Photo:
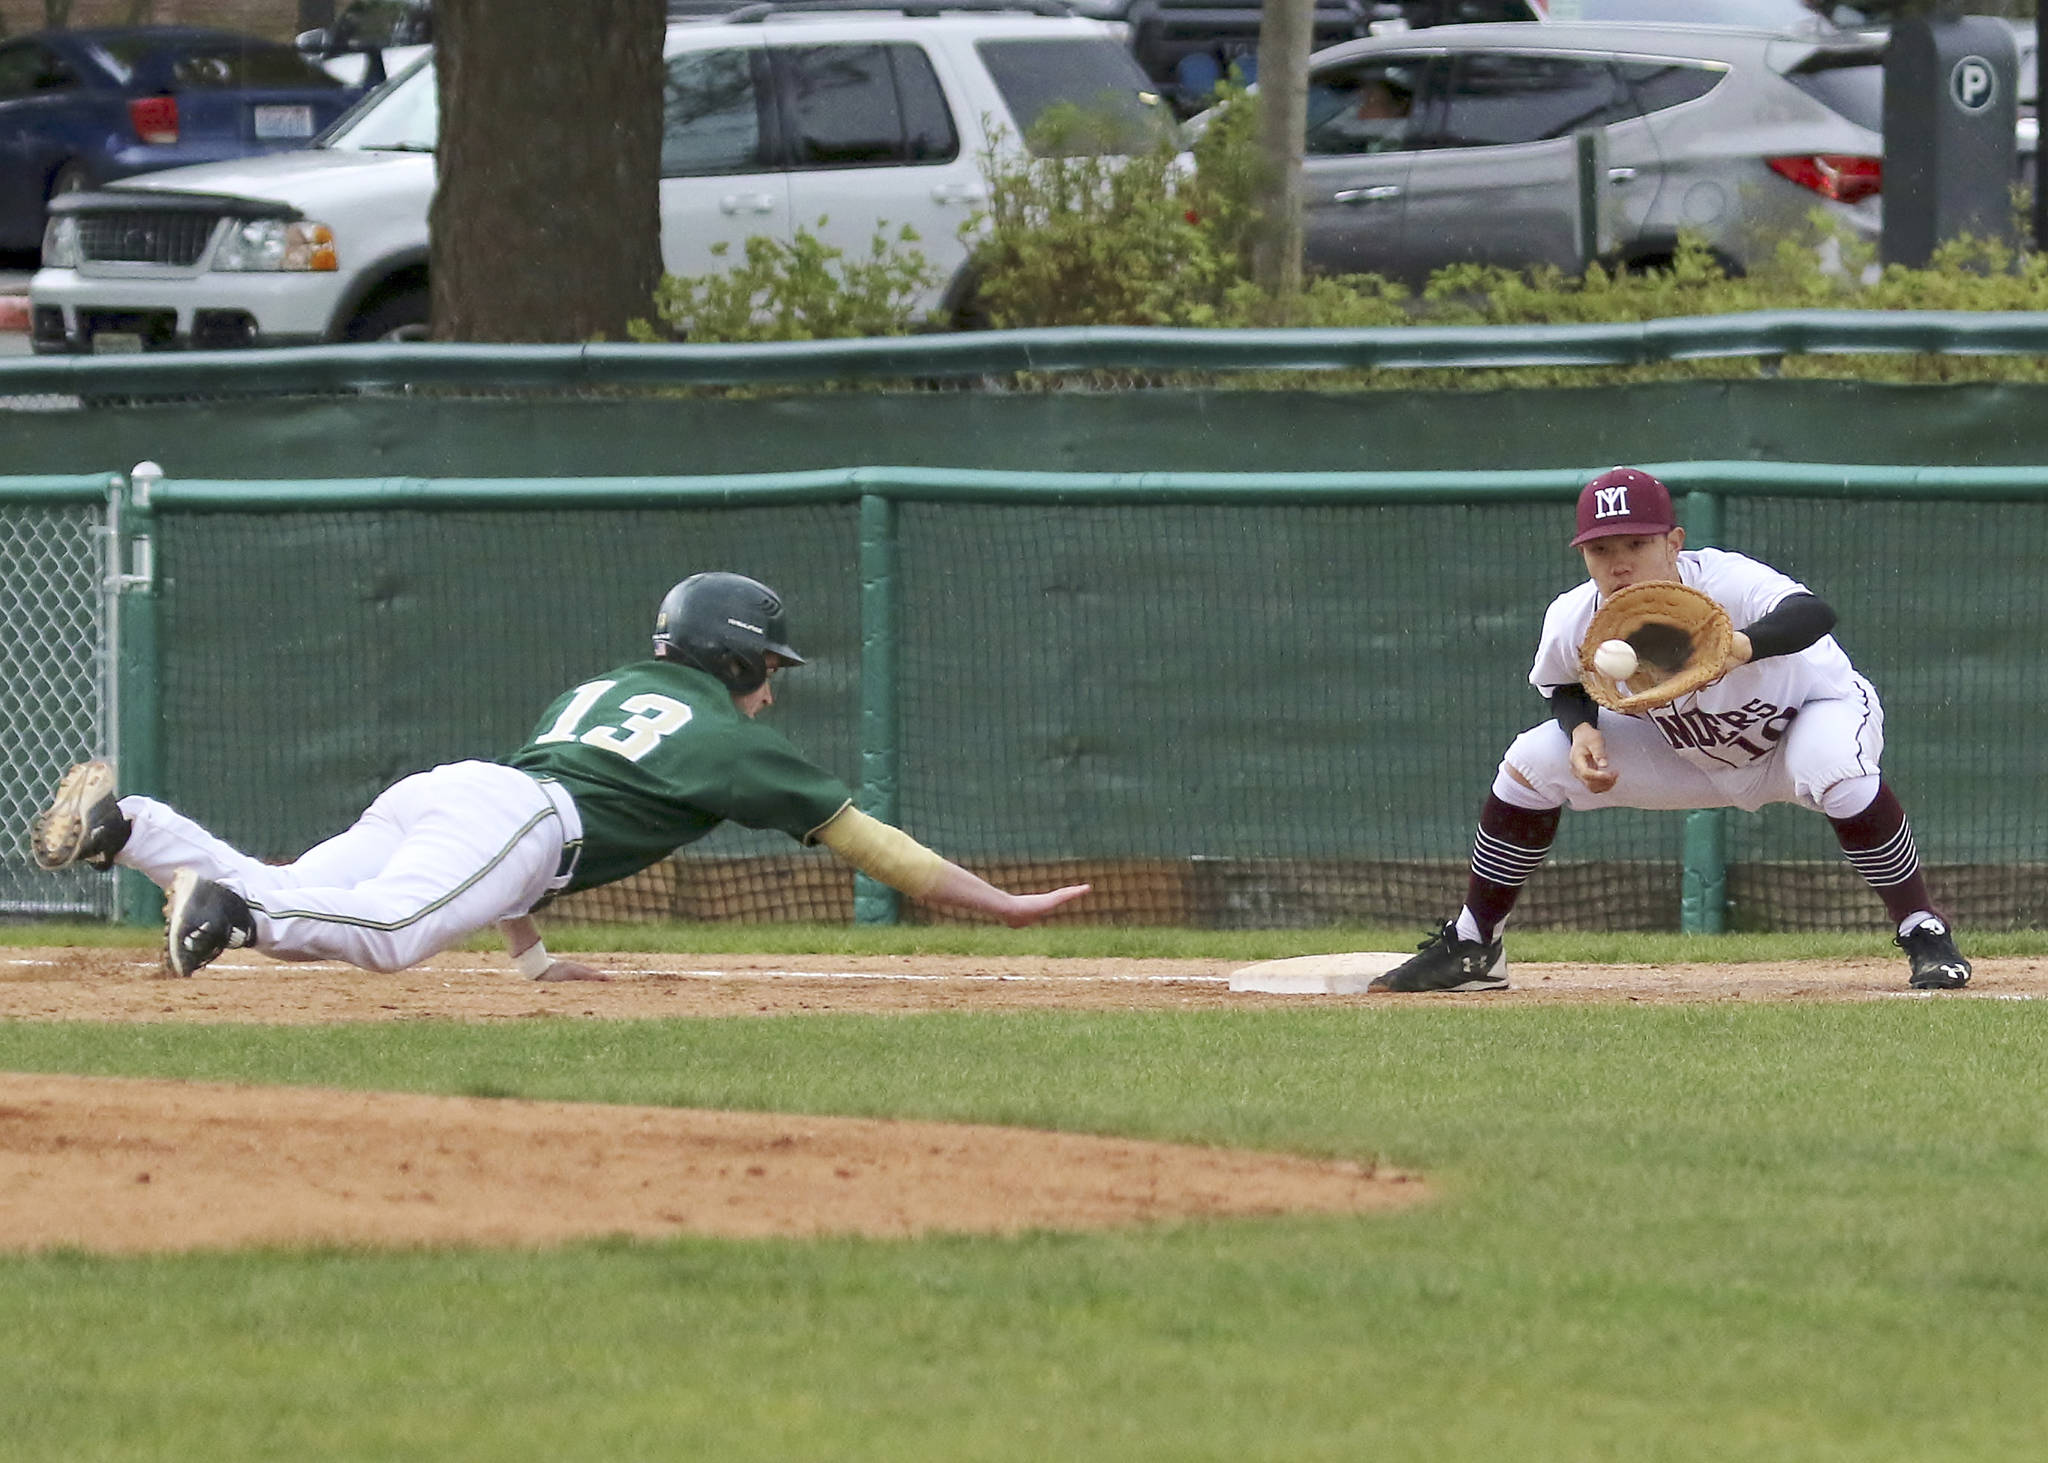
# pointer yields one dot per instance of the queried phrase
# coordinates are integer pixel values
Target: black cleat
(201, 919)
(1937, 964)
(1447, 963)
(84, 821)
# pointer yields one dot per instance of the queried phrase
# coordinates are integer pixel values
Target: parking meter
(1950, 106)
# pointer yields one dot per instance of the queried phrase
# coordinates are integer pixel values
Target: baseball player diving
(620, 771)
(1785, 718)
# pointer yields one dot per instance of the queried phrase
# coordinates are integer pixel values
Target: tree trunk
(546, 223)
(1285, 29)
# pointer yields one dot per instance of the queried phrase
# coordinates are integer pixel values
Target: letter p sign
(1973, 84)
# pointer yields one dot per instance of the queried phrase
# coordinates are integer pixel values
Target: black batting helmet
(726, 624)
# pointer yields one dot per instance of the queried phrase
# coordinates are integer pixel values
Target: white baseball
(1615, 660)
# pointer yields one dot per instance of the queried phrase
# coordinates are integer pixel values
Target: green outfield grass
(1131, 942)
(1700, 1232)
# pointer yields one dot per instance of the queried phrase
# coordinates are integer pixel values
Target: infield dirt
(126, 1165)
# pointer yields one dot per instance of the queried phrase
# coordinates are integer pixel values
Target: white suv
(774, 121)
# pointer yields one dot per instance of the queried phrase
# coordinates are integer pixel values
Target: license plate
(273, 122)
(116, 342)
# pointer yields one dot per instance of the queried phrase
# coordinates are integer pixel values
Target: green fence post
(1703, 894)
(875, 903)
(138, 725)
(1703, 900)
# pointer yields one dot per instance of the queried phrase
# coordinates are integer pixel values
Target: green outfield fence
(1231, 700)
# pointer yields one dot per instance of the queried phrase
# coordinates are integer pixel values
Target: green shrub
(1075, 234)
(803, 290)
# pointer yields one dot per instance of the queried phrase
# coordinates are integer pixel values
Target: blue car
(82, 107)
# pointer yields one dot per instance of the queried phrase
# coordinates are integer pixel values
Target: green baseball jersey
(656, 756)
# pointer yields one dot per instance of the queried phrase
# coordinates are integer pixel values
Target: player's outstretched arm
(522, 941)
(900, 861)
(958, 889)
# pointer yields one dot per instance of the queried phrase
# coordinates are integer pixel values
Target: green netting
(1228, 702)
(1225, 715)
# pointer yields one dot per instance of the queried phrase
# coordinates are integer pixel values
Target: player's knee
(1849, 796)
(396, 950)
(1539, 755)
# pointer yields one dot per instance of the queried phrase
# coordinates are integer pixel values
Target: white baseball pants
(1828, 742)
(439, 855)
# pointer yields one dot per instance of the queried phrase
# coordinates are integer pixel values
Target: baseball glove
(1681, 639)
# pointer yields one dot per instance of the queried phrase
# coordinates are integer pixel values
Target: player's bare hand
(571, 970)
(1025, 909)
(1740, 651)
(1589, 760)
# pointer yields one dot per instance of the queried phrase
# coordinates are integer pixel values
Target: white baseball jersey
(1739, 719)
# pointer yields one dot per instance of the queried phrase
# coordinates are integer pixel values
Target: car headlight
(60, 242)
(273, 244)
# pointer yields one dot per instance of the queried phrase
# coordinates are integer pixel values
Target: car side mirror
(311, 42)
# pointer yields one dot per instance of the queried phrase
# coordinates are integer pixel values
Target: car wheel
(394, 319)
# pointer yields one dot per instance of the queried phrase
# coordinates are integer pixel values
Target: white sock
(1468, 927)
(1914, 920)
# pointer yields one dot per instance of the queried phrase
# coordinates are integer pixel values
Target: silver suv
(832, 122)
(1460, 143)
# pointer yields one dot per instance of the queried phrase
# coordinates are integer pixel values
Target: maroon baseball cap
(1623, 500)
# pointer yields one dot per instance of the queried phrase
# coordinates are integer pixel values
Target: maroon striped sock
(1510, 844)
(1878, 842)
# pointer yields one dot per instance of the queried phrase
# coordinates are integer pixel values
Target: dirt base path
(127, 1165)
(126, 985)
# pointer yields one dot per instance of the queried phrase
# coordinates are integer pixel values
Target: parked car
(1459, 143)
(836, 123)
(83, 107)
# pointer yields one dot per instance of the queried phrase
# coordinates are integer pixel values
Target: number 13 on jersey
(650, 718)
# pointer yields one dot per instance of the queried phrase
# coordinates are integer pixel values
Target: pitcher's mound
(126, 1165)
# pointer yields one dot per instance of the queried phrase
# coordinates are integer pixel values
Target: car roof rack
(760, 10)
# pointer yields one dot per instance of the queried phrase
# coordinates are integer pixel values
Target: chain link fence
(55, 686)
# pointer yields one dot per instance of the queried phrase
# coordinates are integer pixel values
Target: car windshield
(403, 115)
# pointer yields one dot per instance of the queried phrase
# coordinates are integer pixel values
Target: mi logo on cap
(1610, 502)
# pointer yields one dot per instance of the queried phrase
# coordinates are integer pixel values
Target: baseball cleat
(1937, 964)
(1446, 963)
(202, 919)
(83, 822)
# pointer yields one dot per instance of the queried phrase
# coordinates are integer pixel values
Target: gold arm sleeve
(882, 852)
